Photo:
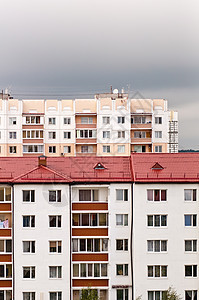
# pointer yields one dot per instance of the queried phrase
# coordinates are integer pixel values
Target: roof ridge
(41, 167)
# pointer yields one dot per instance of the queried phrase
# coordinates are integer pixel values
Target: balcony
(141, 141)
(80, 125)
(86, 141)
(141, 126)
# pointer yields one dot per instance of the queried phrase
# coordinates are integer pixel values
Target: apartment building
(123, 226)
(110, 124)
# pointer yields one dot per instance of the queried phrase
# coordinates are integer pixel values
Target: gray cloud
(69, 46)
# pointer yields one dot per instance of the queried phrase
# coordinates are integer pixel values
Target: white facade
(42, 234)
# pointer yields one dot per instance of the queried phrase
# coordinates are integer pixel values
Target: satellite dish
(115, 91)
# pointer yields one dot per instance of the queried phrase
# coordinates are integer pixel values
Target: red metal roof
(65, 169)
(177, 167)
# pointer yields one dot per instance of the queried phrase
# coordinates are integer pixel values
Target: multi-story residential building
(111, 124)
(124, 226)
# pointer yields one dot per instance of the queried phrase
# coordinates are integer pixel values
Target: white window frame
(154, 245)
(158, 134)
(106, 134)
(52, 149)
(121, 120)
(58, 219)
(160, 267)
(12, 121)
(31, 247)
(67, 121)
(193, 244)
(122, 195)
(67, 149)
(32, 272)
(52, 121)
(31, 295)
(105, 120)
(56, 247)
(31, 196)
(106, 148)
(160, 221)
(58, 196)
(58, 272)
(123, 221)
(5, 246)
(158, 149)
(158, 120)
(193, 195)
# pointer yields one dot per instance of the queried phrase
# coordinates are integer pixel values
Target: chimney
(111, 89)
(42, 160)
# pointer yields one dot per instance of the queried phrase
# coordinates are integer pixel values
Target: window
(88, 195)
(32, 134)
(190, 295)
(28, 272)
(29, 196)
(52, 135)
(55, 272)
(55, 295)
(121, 148)
(138, 120)
(157, 220)
(6, 271)
(6, 295)
(121, 134)
(67, 121)
(51, 121)
(67, 149)
(86, 120)
(54, 221)
(12, 121)
(191, 271)
(121, 120)
(5, 194)
(122, 245)
(29, 296)
(157, 245)
(67, 135)
(190, 245)
(190, 220)
(33, 148)
(106, 120)
(122, 194)
(106, 149)
(86, 133)
(122, 294)
(90, 270)
(55, 246)
(13, 149)
(139, 134)
(86, 149)
(122, 269)
(158, 120)
(33, 120)
(190, 195)
(5, 246)
(122, 220)
(158, 148)
(28, 221)
(92, 219)
(28, 246)
(106, 134)
(157, 271)
(156, 295)
(55, 196)
(158, 134)
(52, 149)
(157, 195)
(90, 245)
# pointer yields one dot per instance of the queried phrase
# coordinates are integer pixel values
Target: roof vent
(42, 160)
(99, 166)
(157, 166)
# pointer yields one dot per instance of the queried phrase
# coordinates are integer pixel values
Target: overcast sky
(67, 48)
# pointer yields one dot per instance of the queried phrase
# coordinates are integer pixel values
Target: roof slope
(65, 169)
(177, 167)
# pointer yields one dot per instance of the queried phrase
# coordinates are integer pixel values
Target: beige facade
(110, 124)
